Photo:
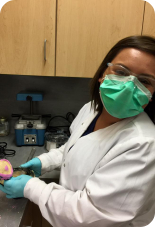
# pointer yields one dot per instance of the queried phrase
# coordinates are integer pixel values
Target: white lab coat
(107, 177)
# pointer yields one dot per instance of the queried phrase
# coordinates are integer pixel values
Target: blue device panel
(40, 136)
(22, 96)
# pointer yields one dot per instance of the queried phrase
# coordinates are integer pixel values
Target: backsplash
(60, 94)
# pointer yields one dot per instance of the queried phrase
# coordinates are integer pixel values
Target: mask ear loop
(102, 79)
(101, 83)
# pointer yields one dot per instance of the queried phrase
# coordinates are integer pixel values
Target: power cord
(69, 118)
(6, 152)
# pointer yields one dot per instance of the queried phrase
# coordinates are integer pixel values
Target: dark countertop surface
(12, 210)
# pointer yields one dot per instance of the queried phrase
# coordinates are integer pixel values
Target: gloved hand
(14, 188)
(35, 165)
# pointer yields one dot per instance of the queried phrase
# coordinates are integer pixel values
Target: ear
(100, 80)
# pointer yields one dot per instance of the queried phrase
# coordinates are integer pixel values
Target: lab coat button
(64, 165)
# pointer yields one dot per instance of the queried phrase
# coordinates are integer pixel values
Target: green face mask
(123, 96)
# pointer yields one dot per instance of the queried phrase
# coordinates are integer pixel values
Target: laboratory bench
(19, 212)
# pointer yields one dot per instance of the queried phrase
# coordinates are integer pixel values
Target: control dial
(30, 125)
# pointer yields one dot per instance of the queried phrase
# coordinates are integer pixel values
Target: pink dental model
(6, 170)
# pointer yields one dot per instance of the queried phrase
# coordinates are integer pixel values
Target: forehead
(136, 60)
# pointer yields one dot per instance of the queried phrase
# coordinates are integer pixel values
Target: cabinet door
(24, 25)
(149, 20)
(87, 29)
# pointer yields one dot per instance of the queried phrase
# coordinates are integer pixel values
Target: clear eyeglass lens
(118, 70)
(145, 80)
(121, 71)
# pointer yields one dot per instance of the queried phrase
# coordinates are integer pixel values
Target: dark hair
(143, 43)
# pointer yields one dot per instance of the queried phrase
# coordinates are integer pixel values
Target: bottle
(4, 126)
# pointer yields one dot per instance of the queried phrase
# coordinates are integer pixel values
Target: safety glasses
(119, 70)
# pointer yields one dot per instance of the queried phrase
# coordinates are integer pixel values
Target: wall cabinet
(149, 20)
(78, 33)
(24, 26)
(86, 30)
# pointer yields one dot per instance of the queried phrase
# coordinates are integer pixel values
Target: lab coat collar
(97, 135)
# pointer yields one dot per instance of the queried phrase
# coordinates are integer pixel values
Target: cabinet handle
(45, 49)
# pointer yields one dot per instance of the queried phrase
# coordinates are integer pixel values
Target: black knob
(30, 125)
(16, 115)
(46, 115)
(29, 98)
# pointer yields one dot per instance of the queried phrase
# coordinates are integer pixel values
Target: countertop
(12, 210)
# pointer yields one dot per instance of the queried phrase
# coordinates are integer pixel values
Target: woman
(108, 164)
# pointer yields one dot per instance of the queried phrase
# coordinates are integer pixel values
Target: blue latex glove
(14, 188)
(35, 165)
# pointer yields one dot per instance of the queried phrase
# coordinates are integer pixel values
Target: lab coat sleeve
(113, 195)
(52, 159)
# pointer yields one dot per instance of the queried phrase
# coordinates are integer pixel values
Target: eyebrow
(144, 74)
